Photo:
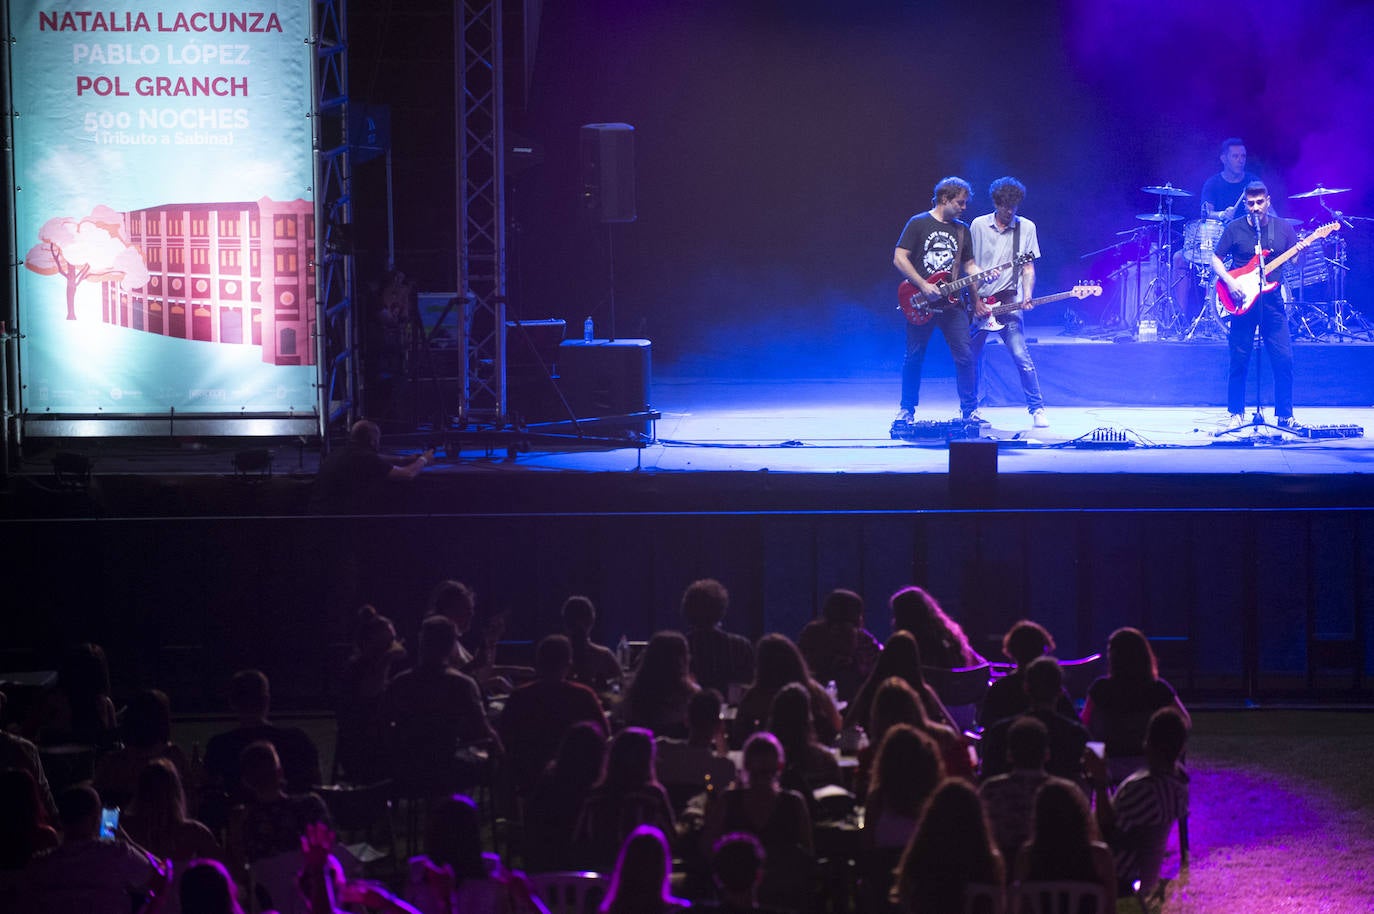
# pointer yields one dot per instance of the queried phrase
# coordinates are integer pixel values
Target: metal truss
(338, 340)
(9, 313)
(480, 140)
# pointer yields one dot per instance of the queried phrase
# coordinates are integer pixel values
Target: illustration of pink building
(229, 273)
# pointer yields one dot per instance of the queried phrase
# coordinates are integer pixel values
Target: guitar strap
(1015, 249)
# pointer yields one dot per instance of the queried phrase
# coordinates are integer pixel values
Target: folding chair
(1061, 897)
(570, 892)
(961, 690)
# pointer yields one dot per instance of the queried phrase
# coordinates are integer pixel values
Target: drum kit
(1313, 282)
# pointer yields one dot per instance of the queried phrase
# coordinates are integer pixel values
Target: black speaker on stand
(608, 185)
(608, 172)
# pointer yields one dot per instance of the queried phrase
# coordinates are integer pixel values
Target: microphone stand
(1259, 421)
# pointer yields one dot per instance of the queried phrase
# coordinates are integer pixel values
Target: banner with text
(164, 206)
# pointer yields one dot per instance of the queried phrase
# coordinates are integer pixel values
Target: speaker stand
(610, 261)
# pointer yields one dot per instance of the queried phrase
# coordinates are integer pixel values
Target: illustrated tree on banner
(92, 249)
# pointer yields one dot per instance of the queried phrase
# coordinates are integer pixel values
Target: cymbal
(1318, 191)
(1165, 190)
(1158, 217)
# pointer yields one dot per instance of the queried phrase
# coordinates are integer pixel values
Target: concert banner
(164, 206)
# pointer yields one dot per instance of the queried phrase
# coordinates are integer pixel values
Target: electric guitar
(1001, 303)
(919, 307)
(1253, 284)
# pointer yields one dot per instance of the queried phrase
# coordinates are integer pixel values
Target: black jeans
(1269, 315)
(954, 324)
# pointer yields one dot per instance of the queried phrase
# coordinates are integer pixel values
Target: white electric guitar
(1002, 303)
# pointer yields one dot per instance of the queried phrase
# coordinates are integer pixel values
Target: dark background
(780, 147)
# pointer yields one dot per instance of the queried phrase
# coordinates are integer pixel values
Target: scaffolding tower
(479, 79)
(337, 343)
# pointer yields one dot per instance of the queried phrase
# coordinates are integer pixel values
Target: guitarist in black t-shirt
(935, 245)
(1254, 302)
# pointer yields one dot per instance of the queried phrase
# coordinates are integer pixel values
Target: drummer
(1223, 194)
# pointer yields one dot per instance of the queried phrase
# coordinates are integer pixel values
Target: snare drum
(1199, 239)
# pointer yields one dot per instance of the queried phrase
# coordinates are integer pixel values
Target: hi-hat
(1319, 191)
(1165, 190)
(1158, 217)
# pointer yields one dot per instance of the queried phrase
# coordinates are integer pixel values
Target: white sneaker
(1288, 423)
(1235, 421)
(975, 416)
(905, 414)
(1039, 419)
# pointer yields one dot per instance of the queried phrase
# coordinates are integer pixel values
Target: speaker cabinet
(606, 377)
(532, 370)
(973, 474)
(608, 172)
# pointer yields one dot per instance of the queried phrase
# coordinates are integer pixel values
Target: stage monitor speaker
(973, 474)
(607, 378)
(608, 172)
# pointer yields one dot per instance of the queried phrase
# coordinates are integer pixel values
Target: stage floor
(843, 426)
(820, 445)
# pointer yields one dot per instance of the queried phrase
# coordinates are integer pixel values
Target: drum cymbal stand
(1157, 302)
(1346, 322)
(1306, 321)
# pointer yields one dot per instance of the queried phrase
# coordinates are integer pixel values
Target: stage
(803, 444)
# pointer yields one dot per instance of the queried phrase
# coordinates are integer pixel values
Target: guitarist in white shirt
(1238, 243)
(1000, 236)
(936, 242)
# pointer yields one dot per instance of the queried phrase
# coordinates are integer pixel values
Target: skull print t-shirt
(936, 246)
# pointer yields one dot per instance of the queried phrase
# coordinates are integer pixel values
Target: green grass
(1282, 813)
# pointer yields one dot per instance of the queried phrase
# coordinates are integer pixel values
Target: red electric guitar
(1001, 303)
(1252, 284)
(919, 308)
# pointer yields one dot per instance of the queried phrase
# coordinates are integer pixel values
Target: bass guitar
(919, 307)
(1253, 282)
(1001, 303)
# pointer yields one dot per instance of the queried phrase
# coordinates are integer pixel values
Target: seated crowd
(823, 773)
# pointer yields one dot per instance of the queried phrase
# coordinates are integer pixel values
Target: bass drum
(1200, 238)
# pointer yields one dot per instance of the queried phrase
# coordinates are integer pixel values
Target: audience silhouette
(626, 796)
(559, 792)
(836, 646)
(951, 851)
(720, 659)
(779, 663)
(593, 664)
(662, 687)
